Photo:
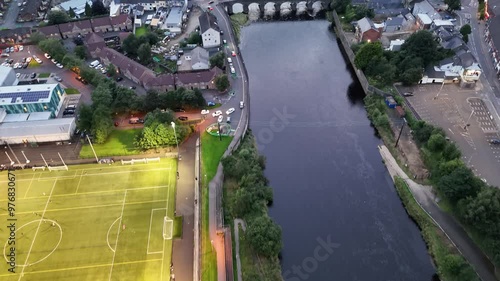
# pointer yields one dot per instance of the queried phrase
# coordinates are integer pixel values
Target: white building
(78, 6)
(7, 76)
(395, 45)
(174, 20)
(209, 30)
(51, 130)
(196, 59)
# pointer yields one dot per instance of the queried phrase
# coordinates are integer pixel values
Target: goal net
(58, 168)
(168, 228)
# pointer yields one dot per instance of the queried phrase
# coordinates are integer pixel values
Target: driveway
(452, 110)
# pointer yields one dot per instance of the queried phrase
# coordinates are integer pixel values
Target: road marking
(118, 235)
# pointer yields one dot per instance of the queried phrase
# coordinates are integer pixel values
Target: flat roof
(425, 18)
(75, 4)
(443, 22)
(33, 116)
(175, 16)
(26, 93)
(34, 128)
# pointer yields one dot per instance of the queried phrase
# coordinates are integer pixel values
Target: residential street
(423, 195)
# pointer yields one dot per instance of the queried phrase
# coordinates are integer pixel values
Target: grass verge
(450, 264)
(238, 21)
(212, 150)
(177, 227)
(71, 91)
(119, 143)
(44, 75)
(140, 31)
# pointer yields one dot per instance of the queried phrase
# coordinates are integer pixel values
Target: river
(330, 185)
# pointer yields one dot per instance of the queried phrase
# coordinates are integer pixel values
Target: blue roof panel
(26, 96)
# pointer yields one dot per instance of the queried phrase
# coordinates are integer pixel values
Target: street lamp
(176, 141)
(468, 119)
(400, 132)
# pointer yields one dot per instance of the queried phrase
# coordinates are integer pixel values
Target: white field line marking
(31, 182)
(166, 214)
(118, 235)
(79, 181)
(99, 192)
(36, 232)
(107, 235)
(89, 207)
(149, 236)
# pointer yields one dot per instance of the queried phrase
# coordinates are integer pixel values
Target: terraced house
(75, 28)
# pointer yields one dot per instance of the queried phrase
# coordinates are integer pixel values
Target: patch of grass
(119, 143)
(238, 21)
(451, 265)
(217, 105)
(33, 63)
(177, 227)
(71, 91)
(212, 150)
(140, 31)
(95, 214)
(44, 75)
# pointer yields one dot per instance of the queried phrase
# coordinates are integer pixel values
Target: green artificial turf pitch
(92, 222)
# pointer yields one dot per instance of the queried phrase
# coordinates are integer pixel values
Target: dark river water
(340, 214)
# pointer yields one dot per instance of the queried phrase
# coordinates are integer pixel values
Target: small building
(162, 83)
(394, 24)
(139, 10)
(122, 23)
(424, 21)
(75, 28)
(196, 59)
(424, 7)
(32, 98)
(209, 30)
(174, 20)
(366, 31)
(102, 24)
(51, 31)
(95, 44)
(7, 76)
(51, 130)
(31, 12)
(442, 23)
(78, 6)
(395, 45)
(197, 80)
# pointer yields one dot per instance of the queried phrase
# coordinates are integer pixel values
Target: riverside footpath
(453, 230)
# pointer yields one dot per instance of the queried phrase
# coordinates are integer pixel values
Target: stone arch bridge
(268, 9)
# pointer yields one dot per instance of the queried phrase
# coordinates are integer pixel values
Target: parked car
(132, 87)
(210, 8)
(33, 75)
(25, 65)
(57, 78)
(179, 110)
(229, 60)
(408, 94)
(220, 119)
(47, 56)
(228, 119)
(495, 141)
(28, 59)
(182, 118)
(205, 111)
(39, 60)
(217, 113)
(69, 112)
(79, 78)
(53, 61)
(211, 2)
(233, 71)
(60, 65)
(11, 49)
(18, 74)
(211, 103)
(233, 53)
(119, 78)
(229, 111)
(5, 55)
(21, 47)
(224, 42)
(242, 104)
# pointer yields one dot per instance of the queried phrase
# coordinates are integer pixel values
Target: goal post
(168, 228)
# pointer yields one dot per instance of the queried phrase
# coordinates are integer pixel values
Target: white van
(94, 63)
(233, 71)
(228, 120)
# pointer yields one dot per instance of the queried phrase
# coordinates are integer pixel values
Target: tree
(436, 143)
(81, 52)
(218, 60)
(340, 5)
(456, 268)
(264, 236)
(151, 101)
(451, 152)
(411, 76)
(194, 38)
(422, 44)
(87, 74)
(71, 61)
(98, 8)
(222, 82)
(36, 37)
(53, 47)
(88, 10)
(461, 183)
(367, 53)
(102, 96)
(483, 212)
(149, 37)
(453, 5)
(78, 40)
(102, 123)
(111, 69)
(144, 53)
(57, 17)
(85, 120)
(381, 70)
(130, 44)
(123, 99)
(71, 13)
(159, 116)
(465, 31)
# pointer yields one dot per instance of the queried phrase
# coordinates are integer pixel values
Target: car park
(182, 118)
(220, 119)
(217, 113)
(205, 111)
(242, 104)
(229, 111)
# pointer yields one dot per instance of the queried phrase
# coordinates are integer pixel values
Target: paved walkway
(237, 223)
(457, 235)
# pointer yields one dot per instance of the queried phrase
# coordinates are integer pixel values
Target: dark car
(79, 78)
(140, 121)
(183, 118)
(25, 65)
(495, 141)
(132, 87)
(69, 112)
(408, 94)
(118, 79)
(33, 75)
(211, 103)
(179, 110)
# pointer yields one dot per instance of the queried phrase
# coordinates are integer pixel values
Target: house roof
(366, 24)
(120, 19)
(94, 41)
(207, 21)
(161, 80)
(424, 18)
(136, 1)
(31, 9)
(397, 21)
(452, 43)
(11, 33)
(432, 72)
(32, 128)
(175, 16)
(74, 4)
(198, 77)
(465, 59)
(139, 8)
(68, 27)
(199, 54)
(424, 7)
(47, 30)
(102, 21)
(126, 64)
(438, 22)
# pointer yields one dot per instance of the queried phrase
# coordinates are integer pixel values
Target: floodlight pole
(12, 151)
(27, 161)
(61, 159)
(176, 141)
(91, 146)
(44, 161)
(11, 162)
(468, 119)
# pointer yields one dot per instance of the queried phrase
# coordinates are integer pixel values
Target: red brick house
(75, 28)
(366, 31)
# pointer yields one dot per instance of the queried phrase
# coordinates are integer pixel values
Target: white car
(39, 60)
(57, 78)
(229, 60)
(229, 111)
(220, 119)
(18, 74)
(233, 71)
(53, 61)
(21, 47)
(16, 65)
(47, 55)
(103, 71)
(59, 65)
(28, 59)
(242, 104)
(205, 111)
(217, 113)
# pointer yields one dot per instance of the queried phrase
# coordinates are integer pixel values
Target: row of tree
(407, 65)
(139, 47)
(252, 196)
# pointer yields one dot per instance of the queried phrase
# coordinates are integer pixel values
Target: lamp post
(176, 141)
(468, 119)
(400, 132)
